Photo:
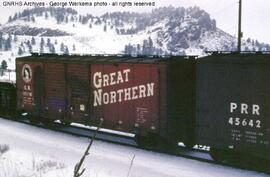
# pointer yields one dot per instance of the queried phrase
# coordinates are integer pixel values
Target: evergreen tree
(59, 18)
(260, 48)
(9, 19)
(66, 51)
(15, 38)
(145, 47)
(30, 48)
(117, 31)
(28, 43)
(66, 19)
(257, 43)
(122, 31)
(42, 41)
(52, 49)
(98, 21)
(48, 42)
(3, 67)
(74, 47)
(33, 41)
(62, 47)
(4, 64)
(7, 45)
(138, 49)
(150, 42)
(10, 38)
(20, 51)
(160, 52)
(46, 15)
(267, 47)
(105, 28)
(15, 16)
(150, 50)
(1, 41)
(129, 49)
(33, 19)
(28, 18)
(41, 49)
(126, 50)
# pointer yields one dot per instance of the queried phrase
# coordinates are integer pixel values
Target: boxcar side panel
(182, 101)
(55, 90)
(7, 98)
(126, 96)
(28, 75)
(78, 92)
(233, 105)
(125, 115)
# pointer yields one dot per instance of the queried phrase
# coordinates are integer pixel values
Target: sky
(255, 24)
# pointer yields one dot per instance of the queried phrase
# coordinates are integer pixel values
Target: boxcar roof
(245, 58)
(103, 58)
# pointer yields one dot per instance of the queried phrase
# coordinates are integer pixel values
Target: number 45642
(245, 122)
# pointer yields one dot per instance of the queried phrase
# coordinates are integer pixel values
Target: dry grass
(36, 167)
(44, 166)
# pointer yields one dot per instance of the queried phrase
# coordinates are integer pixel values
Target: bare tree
(131, 164)
(77, 170)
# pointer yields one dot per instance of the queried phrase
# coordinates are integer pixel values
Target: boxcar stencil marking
(27, 73)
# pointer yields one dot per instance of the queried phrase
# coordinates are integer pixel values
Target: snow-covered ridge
(163, 31)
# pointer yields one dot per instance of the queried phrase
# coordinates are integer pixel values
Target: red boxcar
(138, 95)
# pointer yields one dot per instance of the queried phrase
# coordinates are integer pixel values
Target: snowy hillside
(166, 30)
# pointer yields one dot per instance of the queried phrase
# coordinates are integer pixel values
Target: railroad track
(198, 153)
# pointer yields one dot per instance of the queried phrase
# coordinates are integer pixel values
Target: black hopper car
(221, 100)
(232, 104)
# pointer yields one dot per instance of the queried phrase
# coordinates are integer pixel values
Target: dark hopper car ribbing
(233, 103)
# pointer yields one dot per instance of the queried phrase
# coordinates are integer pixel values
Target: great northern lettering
(102, 97)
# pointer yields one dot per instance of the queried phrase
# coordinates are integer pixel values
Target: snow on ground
(38, 152)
